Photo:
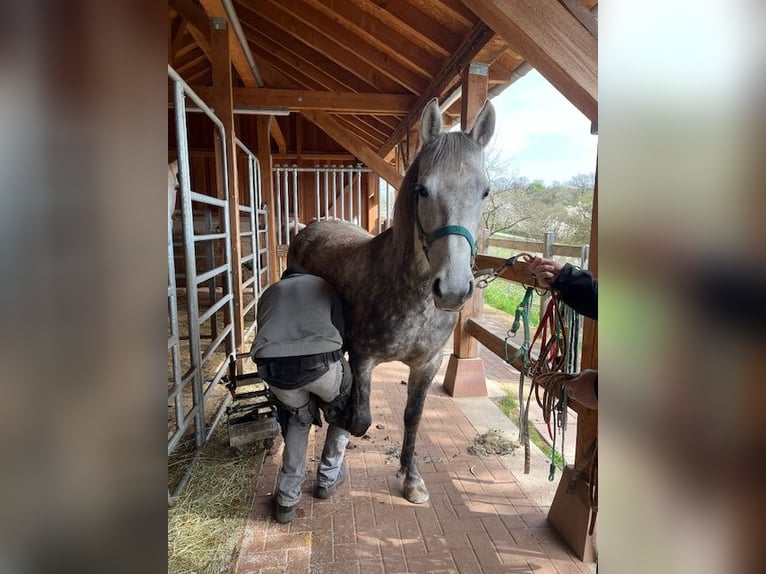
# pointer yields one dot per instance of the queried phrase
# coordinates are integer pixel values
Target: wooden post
(224, 108)
(465, 370)
(570, 513)
(263, 126)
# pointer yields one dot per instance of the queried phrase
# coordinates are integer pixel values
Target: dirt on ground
(492, 442)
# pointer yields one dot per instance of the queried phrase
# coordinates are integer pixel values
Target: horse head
(444, 192)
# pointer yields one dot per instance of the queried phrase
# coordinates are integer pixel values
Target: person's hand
(545, 270)
(582, 388)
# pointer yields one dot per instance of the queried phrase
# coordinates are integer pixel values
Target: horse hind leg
(420, 379)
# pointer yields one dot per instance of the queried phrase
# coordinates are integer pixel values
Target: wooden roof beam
(460, 59)
(199, 18)
(329, 101)
(544, 33)
(371, 159)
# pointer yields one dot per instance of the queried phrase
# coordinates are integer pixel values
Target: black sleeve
(578, 289)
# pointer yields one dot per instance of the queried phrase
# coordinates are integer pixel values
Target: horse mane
(455, 146)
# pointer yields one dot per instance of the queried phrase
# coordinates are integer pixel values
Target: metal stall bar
(286, 204)
(197, 359)
(192, 304)
(253, 189)
(358, 172)
(350, 194)
(174, 343)
(339, 175)
(262, 234)
(295, 199)
(278, 214)
(326, 194)
(334, 194)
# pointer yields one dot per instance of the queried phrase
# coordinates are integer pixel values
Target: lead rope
(552, 382)
(522, 318)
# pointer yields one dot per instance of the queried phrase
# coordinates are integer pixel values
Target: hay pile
(492, 442)
(206, 525)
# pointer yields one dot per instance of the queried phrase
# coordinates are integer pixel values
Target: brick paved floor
(477, 520)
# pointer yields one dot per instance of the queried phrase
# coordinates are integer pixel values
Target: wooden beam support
(465, 371)
(479, 36)
(570, 514)
(583, 15)
(331, 102)
(223, 103)
(215, 9)
(494, 343)
(267, 190)
(372, 160)
(553, 41)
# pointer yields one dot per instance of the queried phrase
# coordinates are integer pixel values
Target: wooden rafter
(398, 16)
(553, 41)
(301, 58)
(399, 47)
(367, 155)
(375, 57)
(360, 130)
(479, 36)
(294, 23)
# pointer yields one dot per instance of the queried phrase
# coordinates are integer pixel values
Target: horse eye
(422, 190)
(485, 194)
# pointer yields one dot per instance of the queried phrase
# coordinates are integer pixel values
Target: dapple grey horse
(402, 289)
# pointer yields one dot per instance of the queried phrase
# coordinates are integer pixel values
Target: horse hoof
(416, 492)
(359, 425)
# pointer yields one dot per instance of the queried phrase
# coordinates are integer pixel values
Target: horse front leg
(361, 418)
(417, 386)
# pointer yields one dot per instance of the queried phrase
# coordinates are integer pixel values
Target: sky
(543, 134)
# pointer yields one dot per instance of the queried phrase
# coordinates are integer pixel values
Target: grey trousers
(297, 435)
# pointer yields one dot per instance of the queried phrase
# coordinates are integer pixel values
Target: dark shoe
(285, 514)
(327, 491)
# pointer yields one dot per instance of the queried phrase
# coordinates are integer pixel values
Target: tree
(529, 209)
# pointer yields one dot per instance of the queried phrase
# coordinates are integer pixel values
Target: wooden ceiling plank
(444, 14)
(293, 25)
(177, 30)
(460, 59)
(301, 56)
(376, 33)
(192, 63)
(381, 59)
(194, 15)
(553, 41)
(199, 27)
(204, 73)
(290, 64)
(409, 22)
(336, 131)
(359, 130)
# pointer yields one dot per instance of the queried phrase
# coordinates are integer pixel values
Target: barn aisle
(479, 517)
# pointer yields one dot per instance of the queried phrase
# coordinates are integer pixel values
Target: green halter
(451, 230)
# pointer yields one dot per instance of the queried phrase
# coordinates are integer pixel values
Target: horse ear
(484, 126)
(430, 122)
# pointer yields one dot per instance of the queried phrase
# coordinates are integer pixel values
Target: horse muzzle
(450, 299)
